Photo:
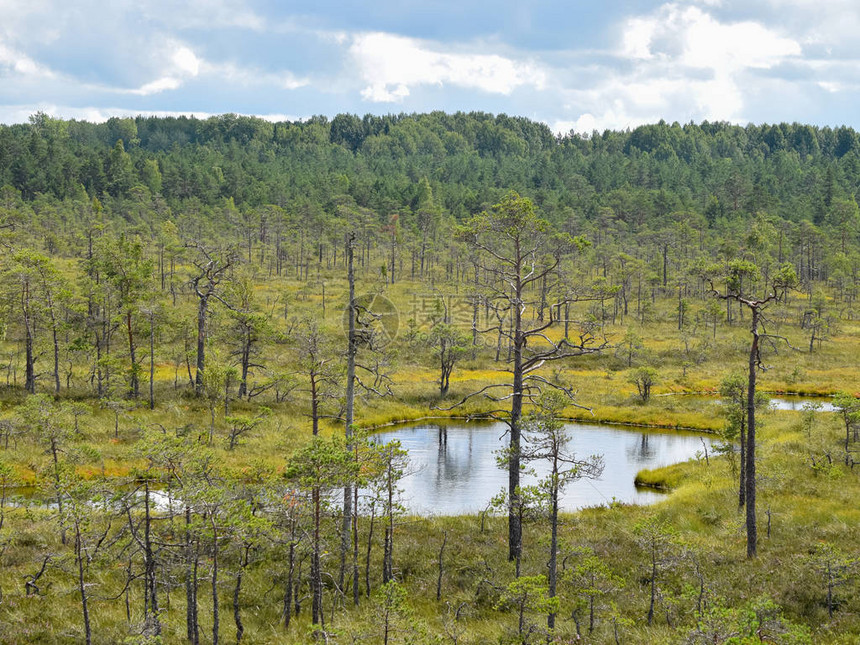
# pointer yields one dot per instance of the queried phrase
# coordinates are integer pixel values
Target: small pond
(783, 402)
(796, 403)
(454, 469)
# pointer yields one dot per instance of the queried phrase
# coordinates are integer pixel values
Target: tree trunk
(82, 588)
(288, 592)
(247, 342)
(150, 581)
(30, 374)
(653, 583)
(202, 307)
(369, 551)
(315, 415)
(552, 576)
(750, 456)
(54, 337)
(515, 530)
(441, 563)
(151, 362)
(355, 571)
(742, 485)
(55, 449)
(665, 251)
(475, 302)
(388, 548)
(190, 583)
(237, 616)
(135, 381)
(316, 574)
(215, 617)
(350, 405)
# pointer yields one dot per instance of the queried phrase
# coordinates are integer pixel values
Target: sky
(579, 65)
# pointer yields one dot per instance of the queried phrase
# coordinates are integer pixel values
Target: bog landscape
(428, 378)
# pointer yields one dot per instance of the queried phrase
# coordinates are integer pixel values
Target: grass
(666, 478)
(805, 506)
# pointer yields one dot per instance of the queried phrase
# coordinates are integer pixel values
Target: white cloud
(170, 65)
(176, 64)
(13, 61)
(53, 16)
(681, 64)
(157, 86)
(183, 64)
(15, 14)
(828, 31)
(251, 76)
(733, 46)
(390, 65)
(126, 47)
(186, 61)
(638, 34)
(689, 36)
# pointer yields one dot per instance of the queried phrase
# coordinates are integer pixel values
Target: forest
(206, 324)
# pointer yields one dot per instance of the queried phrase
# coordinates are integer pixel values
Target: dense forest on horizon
(718, 170)
(220, 177)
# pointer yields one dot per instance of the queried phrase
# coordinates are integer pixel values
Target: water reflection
(796, 404)
(454, 467)
(641, 452)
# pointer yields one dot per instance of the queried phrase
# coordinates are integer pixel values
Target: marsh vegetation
(208, 326)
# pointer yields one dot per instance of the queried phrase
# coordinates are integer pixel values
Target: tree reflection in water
(455, 470)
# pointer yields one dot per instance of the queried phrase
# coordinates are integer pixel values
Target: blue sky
(577, 64)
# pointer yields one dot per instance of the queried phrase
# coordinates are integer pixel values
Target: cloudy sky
(574, 64)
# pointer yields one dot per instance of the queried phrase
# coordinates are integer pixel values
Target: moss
(667, 478)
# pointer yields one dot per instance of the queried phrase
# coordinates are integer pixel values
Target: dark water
(455, 469)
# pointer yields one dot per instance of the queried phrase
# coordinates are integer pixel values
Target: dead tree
(742, 274)
(212, 267)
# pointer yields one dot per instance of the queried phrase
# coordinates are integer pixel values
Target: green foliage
(528, 596)
(591, 581)
(848, 407)
(322, 463)
(644, 379)
(733, 390)
(243, 425)
(630, 347)
(447, 343)
(547, 440)
(396, 619)
(759, 621)
(835, 569)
